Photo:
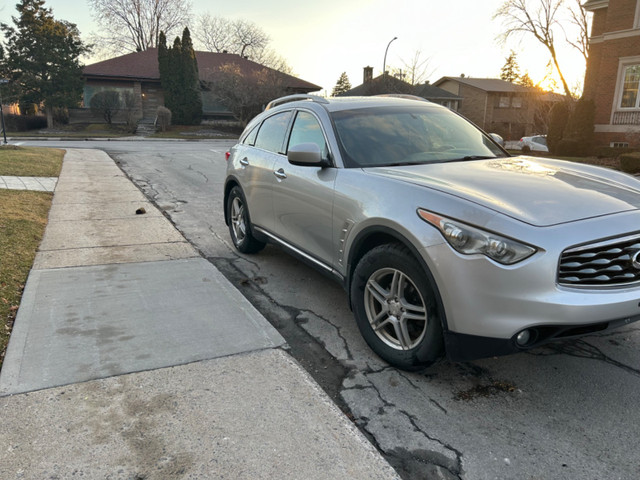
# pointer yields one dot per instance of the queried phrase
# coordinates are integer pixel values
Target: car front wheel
(239, 223)
(395, 308)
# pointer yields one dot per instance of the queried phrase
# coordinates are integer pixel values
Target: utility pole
(4, 130)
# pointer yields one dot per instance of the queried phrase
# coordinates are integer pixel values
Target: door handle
(244, 162)
(280, 173)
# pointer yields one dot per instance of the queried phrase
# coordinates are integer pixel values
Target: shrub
(24, 123)
(611, 152)
(60, 116)
(105, 104)
(163, 118)
(129, 108)
(570, 147)
(630, 162)
(559, 116)
(581, 125)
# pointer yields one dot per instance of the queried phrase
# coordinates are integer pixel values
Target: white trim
(595, 5)
(617, 128)
(623, 62)
(620, 34)
(636, 20)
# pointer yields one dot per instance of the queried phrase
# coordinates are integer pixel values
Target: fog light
(523, 338)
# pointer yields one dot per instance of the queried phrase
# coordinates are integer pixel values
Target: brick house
(612, 79)
(138, 73)
(502, 107)
(384, 84)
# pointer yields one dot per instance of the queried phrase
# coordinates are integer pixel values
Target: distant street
(568, 411)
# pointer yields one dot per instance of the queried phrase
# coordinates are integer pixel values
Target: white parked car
(535, 143)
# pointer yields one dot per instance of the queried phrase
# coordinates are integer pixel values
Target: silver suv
(444, 243)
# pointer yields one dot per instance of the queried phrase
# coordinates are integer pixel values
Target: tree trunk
(567, 91)
(49, 112)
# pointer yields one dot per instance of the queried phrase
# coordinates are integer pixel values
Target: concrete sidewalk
(133, 357)
(39, 184)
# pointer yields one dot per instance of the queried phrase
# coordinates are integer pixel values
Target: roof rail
(403, 95)
(293, 98)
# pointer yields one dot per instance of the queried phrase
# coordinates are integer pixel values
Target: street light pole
(4, 130)
(384, 64)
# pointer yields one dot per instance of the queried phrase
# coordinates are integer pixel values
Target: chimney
(368, 74)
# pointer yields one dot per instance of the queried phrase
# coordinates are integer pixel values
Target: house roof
(431, 92)
(389, 84)
(486, 84)
(143, 66)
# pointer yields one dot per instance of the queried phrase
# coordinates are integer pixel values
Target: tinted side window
(250, 139)
(271, 134)
(306, 129)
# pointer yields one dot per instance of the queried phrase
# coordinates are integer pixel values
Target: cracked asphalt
(569, 410)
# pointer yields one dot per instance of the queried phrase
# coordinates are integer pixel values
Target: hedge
(630, 162)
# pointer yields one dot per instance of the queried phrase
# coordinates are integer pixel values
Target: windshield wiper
(471, 157)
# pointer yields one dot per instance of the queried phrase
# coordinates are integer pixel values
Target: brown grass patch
(23, 218)
(30, 161)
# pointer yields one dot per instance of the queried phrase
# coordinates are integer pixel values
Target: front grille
(607, 263)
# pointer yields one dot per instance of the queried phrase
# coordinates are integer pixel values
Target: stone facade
(612, 79)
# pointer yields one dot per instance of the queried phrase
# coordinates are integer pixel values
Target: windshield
(409, 135)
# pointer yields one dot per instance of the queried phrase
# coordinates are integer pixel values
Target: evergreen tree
(525, 80)
(559, 117)
(191, 81)
(180, 81)
(42, 58)
(510, 70)
(342, 85)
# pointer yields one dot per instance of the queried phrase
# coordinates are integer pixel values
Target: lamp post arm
(384, 63)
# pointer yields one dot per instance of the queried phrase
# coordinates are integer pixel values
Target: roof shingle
(144, 66)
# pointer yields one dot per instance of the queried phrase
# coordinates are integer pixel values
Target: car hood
(538, 192)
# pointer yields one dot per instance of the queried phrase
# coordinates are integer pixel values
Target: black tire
(239, 223)
(391, 290)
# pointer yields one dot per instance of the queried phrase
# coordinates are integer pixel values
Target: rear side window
(306, 129)
(250, 139)
(271, 134)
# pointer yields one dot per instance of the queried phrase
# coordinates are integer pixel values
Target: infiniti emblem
(635, 260)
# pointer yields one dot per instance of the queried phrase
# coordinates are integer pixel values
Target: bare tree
(249, 37)
(245, 94)
(268, 57)
(580, 19)
(214, 33)
(538, 18)
(416, 70)
(135, 25)
(218, 34)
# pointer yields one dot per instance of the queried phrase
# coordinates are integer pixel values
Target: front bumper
(463, 348)
(486, 304)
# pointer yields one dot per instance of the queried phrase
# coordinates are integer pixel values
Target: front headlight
(470, 240)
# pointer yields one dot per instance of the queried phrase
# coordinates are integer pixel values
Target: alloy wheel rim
(237, 220)
(395, 309)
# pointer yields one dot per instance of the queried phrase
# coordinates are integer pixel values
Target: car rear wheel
(395, 308)
(239, 223)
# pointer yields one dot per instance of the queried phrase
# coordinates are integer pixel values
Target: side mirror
(306, 155)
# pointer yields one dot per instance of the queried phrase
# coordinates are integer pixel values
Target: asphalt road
(569, 411)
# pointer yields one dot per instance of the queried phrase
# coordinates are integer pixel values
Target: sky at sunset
(320, 40)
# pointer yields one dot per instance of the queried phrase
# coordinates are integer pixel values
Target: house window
(619, 144)
(630, 85)
(450, 104)
(504, 102)
(516, 102)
